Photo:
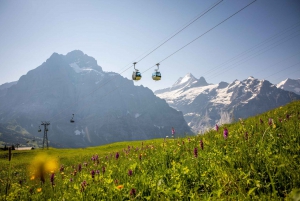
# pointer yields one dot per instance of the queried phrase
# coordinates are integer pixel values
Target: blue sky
(117, 33)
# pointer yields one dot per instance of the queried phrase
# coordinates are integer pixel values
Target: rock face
(205, 105)
(107, 106)
(290, 85)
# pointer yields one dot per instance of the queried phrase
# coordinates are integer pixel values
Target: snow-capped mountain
(204, 105)
(290, 85)
(107, 106)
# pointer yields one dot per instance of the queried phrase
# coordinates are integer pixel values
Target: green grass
(257, 161)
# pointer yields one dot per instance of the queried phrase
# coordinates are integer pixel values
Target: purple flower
(270, 122)
(261, 121)
(201, 144)
(52, 179)
(93, 174)
(132, 192)
(103, 170)
(83, 185)
(97, 171)
(217, 127)
(225, 133)
(117, 155)
(79, 167)
(196, 152)
(61, 168)
(130, 173)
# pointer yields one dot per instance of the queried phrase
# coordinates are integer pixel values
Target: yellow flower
(39, 190)
(41, 165)
(120, 187)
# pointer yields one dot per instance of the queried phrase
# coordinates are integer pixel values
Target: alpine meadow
(251, 159)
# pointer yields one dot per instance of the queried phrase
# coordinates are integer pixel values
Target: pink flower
(217, 127)
(196, 152)
(201, 144)
(225, 133)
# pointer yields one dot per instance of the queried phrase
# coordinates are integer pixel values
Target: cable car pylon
(45, 139)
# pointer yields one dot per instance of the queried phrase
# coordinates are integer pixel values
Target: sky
(263, 40)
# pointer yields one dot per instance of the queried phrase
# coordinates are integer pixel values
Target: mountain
(290, 85)
(5, 86)
(107, 106)
(205, 105)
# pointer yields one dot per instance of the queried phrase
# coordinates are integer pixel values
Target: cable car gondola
(156, 75)
(136, 75)
(72, 120)
(39, 129)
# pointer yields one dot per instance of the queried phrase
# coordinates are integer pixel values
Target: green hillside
(258, 160)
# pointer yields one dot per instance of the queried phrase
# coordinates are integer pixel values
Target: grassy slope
(258, 160)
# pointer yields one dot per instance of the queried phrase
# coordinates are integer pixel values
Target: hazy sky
(117, 33)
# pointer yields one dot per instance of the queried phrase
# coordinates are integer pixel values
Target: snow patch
(77, 132)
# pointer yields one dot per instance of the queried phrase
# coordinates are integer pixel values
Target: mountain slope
(107, 107)
(290, 85)
(205, 106)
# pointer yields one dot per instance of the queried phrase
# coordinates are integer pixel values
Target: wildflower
(287, 116)
(132, 192)
(62, 168)
(39, 190)
(246, 136)
(120, 187)
(196, 152)
(225, 133)
(42, 165)
(52, 179)
(71, 179)
(79, 167)
(270, 122)
(182, 142)
(140, 156)
(217, 127)
(280, 120)
(103, 170)
(83, 185)
(117, 155)
(130, 173)
(97, 171)
(93, 174)
(201, 144)
(261, 121)
(116, 181)
(85, 164)
(74, 173)
(32, 177)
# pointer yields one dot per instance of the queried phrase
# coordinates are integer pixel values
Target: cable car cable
(203, 33)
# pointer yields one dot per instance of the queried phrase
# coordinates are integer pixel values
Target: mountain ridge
(205, 106)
